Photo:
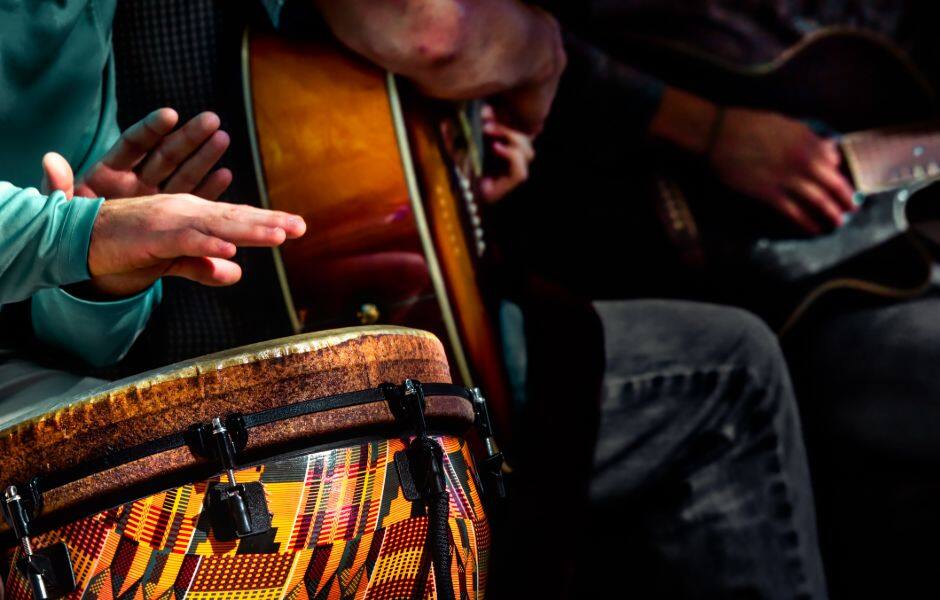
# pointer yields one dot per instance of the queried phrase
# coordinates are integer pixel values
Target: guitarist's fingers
(831, 152)
(836, 184)
(817, 199)
(511, 137)
(517, 160)
(790, 209)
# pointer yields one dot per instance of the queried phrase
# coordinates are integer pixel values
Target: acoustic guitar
(838, 80)
(387, 182)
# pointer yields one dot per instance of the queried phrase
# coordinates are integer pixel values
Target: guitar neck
(886, 159)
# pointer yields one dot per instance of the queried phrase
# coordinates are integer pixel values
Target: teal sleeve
(43, 240)
(100, 333)
(274, 8)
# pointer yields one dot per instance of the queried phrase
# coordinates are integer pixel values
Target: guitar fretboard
(885, 159)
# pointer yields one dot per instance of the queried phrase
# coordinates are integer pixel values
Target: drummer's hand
(149, 158)
(135, 241)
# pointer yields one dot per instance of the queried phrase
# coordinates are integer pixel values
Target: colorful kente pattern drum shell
(341, 529)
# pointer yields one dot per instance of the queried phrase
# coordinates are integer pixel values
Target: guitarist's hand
(527, 106)
(514, 151)
(506, 50)
(782, 163)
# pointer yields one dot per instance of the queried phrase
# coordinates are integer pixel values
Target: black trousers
(697, 483)
(868, 381)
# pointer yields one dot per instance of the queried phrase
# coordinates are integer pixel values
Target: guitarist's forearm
(685, 120)
(456, 49)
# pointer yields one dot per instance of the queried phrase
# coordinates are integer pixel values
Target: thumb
(57, 175)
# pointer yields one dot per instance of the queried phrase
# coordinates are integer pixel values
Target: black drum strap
(196, 439)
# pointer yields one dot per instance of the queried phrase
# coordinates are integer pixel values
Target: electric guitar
(851, 81)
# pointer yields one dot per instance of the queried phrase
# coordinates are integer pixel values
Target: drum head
(246, 380)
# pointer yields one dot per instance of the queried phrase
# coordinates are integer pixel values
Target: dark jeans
(868, 379)
(700, 461)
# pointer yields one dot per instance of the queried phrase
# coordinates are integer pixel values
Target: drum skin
(341, 526)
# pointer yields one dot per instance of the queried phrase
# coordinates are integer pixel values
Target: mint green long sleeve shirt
(57, 93)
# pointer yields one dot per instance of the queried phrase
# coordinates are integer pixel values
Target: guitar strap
(674, 213)
(185, 54)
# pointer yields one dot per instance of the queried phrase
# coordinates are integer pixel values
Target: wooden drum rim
(252, 379)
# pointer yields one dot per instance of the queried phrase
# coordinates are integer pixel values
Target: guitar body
(844, 80)
(847, 78)
(375, 171)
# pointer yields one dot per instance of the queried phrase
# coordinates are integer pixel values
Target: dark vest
(186, 54)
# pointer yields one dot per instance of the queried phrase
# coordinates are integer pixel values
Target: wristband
(714, 131)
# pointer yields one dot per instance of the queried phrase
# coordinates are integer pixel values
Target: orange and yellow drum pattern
(341, 529)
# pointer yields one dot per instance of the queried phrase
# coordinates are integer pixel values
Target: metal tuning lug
(236, 510)
(424, 454)
(49, 571)
(494, 461)
(414, 405)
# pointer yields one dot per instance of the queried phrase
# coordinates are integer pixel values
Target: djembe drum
(317, 466)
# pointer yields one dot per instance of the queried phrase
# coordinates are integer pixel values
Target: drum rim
(204, 466)
(303, 343)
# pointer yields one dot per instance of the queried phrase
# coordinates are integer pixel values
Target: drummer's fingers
(237, 223)
(213, 185)
(244, 234)
(293, 225)
(205, 270)
(188, 226)
(190, 242)
(140, 138)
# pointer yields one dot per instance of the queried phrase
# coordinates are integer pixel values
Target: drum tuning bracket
(421, 466)
(49, 570)
(408, 404)
(492, 465)
(235, 510)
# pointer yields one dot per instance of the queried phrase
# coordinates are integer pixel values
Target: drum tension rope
(48, 571)
(421, 472)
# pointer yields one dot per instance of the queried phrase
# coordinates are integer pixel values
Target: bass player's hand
(782, 163)
(765, 156)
